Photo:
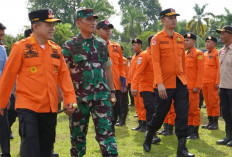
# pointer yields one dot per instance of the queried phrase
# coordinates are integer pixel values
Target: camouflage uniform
(87, 59)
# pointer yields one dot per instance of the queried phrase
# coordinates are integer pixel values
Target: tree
(199, 22)
(144, 37)
(63, 33)
(65, 9)
(150, 9)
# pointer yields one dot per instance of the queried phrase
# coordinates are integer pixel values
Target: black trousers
(201, 99)
(37, 131)
(226, 105)
(124, 103)
(11, 112)
(149, 104)
(4, 135)
(131, 97)
(116, 107)
(180, 96)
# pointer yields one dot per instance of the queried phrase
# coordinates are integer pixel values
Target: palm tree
(199, 22)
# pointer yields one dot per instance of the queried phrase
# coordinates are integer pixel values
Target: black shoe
(54, 154)
(169, 130)
(143, 127)
(229, 144)
(214, 125)
(182, 151)
(136, 115)
(11, 135)
(148, 141)
(137, 128)
(190, 130)
(206, 126)
(155, 139)
(194, 134)
(164, 130)
(224, 141)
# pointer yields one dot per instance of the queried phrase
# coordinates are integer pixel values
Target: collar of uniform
(166, 34)
(148, 50)
(81, 39)
(52, 45)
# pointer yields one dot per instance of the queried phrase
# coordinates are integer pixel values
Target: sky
(14, 14)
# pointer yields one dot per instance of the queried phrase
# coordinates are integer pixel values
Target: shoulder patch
(154, 41)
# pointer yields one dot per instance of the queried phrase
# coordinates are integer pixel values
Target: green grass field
(130, 142)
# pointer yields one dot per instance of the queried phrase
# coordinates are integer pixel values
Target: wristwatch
(113, 91)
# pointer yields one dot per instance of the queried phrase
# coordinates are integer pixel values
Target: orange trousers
(211, 97)
(139, 107)
(194, 116)
(171, 116)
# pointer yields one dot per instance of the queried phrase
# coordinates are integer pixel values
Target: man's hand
(70, 109)
(113, 99)
(1, 112)
(162, 91)
(134, 92)
(216, 86)
(195, 90)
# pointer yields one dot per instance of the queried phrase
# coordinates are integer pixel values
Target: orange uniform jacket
(38, 73)
(144, 75)
(115, 53)
(194, 65)
(211, 67)
(126, 68)
(168, 56)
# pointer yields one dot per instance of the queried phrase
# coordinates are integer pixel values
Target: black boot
(138, 127)
(214, 125)
(182, 151)
(227, 139)
(54, 154)
(194, 134)
(164, 130)
(206, 126)
(229, 144)
(155, 139)
(143, 126)
(190, 130)
(119, 121)
(169, 130)
(11, 135)
(148, 139)
(123, 120)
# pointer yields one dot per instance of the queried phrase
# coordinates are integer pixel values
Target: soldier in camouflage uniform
(90, 69)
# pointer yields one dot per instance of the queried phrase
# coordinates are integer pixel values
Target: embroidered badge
(139, 61)
(179, 38)
(33, 69)
(154, 41)
(199, 57)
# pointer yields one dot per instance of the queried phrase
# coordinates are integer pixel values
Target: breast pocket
(165, 50)
(32, 67)
(55, 65)
(190, 62)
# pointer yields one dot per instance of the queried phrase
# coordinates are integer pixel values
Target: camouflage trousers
(101, 112)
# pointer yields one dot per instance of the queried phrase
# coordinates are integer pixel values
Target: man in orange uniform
(139, 106)
(39, 67)
(210, 83)
(143, 84)
(104, 30)
(168, 57)
(194, 66)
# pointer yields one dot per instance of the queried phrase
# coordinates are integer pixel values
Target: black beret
(211, 38)
(42, 15)
(190, 36)
(136, 40)
(168, 12)
(103, 24)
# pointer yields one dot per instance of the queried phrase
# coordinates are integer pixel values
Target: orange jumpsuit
(194, 65)
(38, 72)
(138, 100)
(210, 79)
(116, 57)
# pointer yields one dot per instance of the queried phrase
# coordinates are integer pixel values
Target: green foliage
(181, 27)
(199, 22)
(9, 40)
(144, 37)
(63, 33)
